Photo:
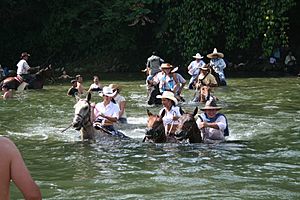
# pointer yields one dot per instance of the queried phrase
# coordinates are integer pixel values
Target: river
(263, 114)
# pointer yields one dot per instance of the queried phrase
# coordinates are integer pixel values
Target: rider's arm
(219, 124)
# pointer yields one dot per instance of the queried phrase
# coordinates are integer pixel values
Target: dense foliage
(110, 34)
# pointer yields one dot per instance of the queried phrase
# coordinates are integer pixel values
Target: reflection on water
(263, 116)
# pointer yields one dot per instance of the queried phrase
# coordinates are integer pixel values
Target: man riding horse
(24, 78)
(24, 69)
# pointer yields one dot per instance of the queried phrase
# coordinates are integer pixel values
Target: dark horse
(37, 83)
(153, 91)
(187, 129)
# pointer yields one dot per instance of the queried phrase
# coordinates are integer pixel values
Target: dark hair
(5, 86)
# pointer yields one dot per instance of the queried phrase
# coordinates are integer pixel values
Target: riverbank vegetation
(111, 35)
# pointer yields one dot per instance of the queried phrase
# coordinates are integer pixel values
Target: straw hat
(168, 95)
(204, 67)
(210, 105)
(107, 91)
(174, 70)
(215, 53)
(114, 86)
(166, 66)
(24, 54)
(198, 56)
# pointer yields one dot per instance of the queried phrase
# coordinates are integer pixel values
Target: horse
(203, 94)
(153, 91)
(37, 83)
(187, 129)
(155, 131)
(83, 123)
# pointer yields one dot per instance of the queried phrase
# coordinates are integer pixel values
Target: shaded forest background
(110, 35)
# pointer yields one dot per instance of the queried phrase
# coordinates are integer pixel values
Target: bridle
(83, 119)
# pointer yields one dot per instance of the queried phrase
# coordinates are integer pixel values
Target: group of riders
(169, 83)
(204, 77)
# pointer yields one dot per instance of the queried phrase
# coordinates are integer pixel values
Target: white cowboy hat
(215, 53)
(211, 105)
(198, 56)
(107, 91)
(168, 95)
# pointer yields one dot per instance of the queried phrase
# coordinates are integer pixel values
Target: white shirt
(118, 100)
(23, 67)
(166, 82)
(193, 68)
(111, 110)
(168, 117)
(212, 133)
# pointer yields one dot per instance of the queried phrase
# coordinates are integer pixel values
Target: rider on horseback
(23, 69)
(213, 125)
(172, 112)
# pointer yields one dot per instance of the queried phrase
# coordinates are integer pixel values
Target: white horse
(82, 122)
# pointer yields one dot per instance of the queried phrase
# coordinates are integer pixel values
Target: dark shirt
(73, 91)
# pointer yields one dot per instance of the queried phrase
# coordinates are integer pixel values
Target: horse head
(155, 131)
(188, 129)
(45, 73)
(204, 93)
(82, 113)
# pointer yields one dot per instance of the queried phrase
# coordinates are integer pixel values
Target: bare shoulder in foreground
(12, 167)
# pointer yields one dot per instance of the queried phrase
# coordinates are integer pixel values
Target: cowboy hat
(168, 95)
(174, 70)
(215, 53)
(114, 86)
(166, 66)
(198, 56)
(107, 91)
(211, 105)
(204, 67)
(24, 54)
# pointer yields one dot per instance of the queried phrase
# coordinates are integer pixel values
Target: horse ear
(89, 96)
(162, 114)
(195, 111)
(149, 113)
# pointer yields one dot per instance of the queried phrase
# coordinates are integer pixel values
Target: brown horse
(155, 131)
(38, 82)
(187, 129)
(203, 94)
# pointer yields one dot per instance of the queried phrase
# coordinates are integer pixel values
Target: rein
(67, 128)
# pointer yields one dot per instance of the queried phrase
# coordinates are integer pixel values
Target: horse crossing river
(263, 114)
